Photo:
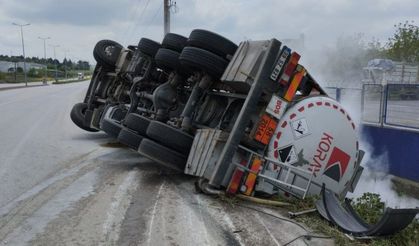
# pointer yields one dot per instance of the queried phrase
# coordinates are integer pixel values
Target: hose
(262, 201)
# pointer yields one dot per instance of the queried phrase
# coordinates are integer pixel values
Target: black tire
(106, 52)
(202, 60)
(167, 59)
(162, 155)
(132, 47)
(212, 42)
(148, 46)
(170, 137)
(110, 127)
(118, 113)
(129, 138)
(137, 123)
(174, 42)
(77, 115)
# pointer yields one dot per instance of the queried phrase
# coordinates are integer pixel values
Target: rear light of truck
(295, 82)
(236, 179)
(289, 69)
(250, 182)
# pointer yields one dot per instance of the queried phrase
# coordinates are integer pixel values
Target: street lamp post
(23, 48)
(45, 57)
(65, 64)
(55, 58)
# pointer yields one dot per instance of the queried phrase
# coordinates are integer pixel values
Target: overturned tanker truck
(247, 119)
(288, 136)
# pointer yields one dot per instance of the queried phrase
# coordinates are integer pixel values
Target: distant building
(6, 66)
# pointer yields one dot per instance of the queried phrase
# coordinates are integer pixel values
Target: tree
(404, 45)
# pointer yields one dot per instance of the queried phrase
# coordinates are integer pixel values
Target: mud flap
(345, 217)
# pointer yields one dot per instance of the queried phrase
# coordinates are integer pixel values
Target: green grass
(370, 208)
(405, 187)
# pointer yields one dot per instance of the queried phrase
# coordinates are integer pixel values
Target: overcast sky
(76, 25)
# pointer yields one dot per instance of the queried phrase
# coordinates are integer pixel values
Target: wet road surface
(60, 185)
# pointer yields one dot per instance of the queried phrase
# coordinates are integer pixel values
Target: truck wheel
(110, 127)
(137, 123)
(77, 115)
(170, 137)
(162, 155)
(148, 46)
(130, 138)
(199, 59)
(174, 42)
(212, 42)
(132, 47)
(106, 52)
(167, 59)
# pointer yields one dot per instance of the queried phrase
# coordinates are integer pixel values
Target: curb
(18, 87)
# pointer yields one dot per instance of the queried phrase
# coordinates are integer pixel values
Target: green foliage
(35, 73)
(65, 64)
(344, 61)
(404, 45)
(369, 206)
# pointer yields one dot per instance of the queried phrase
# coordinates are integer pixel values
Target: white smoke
(375, 178)
(347, 57)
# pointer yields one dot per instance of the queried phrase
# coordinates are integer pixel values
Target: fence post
(338, 91)
(383, 107)
(362, 102)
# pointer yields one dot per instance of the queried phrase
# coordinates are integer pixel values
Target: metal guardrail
(402, 105)
(390, 105)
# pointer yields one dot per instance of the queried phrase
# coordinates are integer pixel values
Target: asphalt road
(60, 185)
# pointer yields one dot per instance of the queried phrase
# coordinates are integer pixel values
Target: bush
(35, 73)
(369, 206)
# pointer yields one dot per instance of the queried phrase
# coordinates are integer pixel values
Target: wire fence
(386, 105)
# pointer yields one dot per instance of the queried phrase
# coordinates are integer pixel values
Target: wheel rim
(108, 50)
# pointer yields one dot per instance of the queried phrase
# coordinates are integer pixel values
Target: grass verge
(69, 81)
(370, 208)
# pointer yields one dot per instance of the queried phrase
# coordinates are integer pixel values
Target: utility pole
(166, 16)
(65, 63)
(168, 4)
(23, 48)
(55, 59)
(45, 57)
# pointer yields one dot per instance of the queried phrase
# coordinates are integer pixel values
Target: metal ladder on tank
(286, 177)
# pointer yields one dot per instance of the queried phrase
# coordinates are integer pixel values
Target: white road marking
(203, 221)
(118, 208)
(267, 229)
(80, 188)
(153, 214)
(46, 183)
(230, 224)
